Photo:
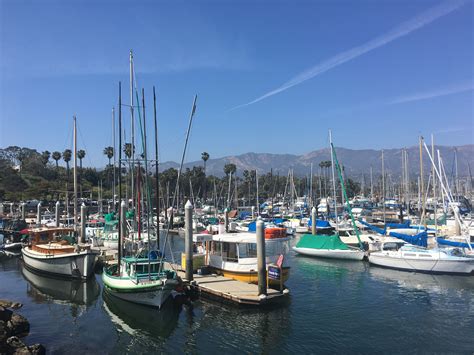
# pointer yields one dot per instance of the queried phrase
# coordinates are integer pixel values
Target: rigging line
(193, 110)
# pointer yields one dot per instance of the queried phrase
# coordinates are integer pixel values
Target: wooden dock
(225, 289)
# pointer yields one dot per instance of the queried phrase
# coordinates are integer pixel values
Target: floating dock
(225, 289)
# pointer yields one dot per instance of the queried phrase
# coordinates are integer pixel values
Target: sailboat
(420, 259)
(55, 250)
(331, 246)
(141, 279)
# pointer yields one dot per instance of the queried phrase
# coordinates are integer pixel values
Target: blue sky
(378, 73)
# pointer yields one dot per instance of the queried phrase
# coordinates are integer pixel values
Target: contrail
(401, 30)
(449, 90)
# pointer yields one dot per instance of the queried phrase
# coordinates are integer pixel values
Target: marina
(368, 301)
(236, 178)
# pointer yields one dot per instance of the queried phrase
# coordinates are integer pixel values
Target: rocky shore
(14, 326)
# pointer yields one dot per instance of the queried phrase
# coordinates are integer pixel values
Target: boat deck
(225, 289)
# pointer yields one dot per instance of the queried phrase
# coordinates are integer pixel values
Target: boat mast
(333, 183)
(75, 174)
(157, 180)
(132, 130)
(114, 156)
(371, 184)
(383, 188)
(311, 187)
(120, 177)
(434, 186)
(422, 189)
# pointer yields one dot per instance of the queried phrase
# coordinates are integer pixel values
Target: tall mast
(422, 188)
(456, 181)
(371, 184)
(120, 176)
(132, 130)
(75, 174)
(157, 180)
(115, 153)
(383, 187)
(434, 185)
(333, 181)
(311, 187)
(145, 153)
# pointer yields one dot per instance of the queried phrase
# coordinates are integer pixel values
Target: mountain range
(355, 162)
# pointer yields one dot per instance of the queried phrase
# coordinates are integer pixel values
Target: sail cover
(330, 242)
(453, 243)
(420, 239)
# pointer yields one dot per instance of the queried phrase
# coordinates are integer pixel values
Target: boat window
(252, 250)
(229, 252)
(243, 251)
(215, 248)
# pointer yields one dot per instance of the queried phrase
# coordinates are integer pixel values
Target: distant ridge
(356, 162)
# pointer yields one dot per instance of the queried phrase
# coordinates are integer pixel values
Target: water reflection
(137, 319)
(245, 330)
(43, 289)
(438, 284)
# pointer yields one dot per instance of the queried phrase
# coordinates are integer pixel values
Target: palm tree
(45, 157)
(127, 149)
(109, 152)
(81, 154)
(230, 169)
(67, 155)
(205, 158)
(56, 156)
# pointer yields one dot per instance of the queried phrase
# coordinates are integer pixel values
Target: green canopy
(329, 242)
(109, 217)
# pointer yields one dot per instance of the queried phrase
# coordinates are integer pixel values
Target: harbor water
(335, 306)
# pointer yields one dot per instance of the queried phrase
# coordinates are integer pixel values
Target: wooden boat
(52, 251)
(140, 280)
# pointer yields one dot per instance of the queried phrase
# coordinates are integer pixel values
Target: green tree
(109, 152)
(45, 157)
(56, 156)
(230, 169)
(205, 158)
(67, 155)
(127, 149)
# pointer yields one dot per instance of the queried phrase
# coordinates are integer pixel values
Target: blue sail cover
(451, 243)
(319, 223)
(406, 224)
(373, 228)
(252, 226)
(420, 239)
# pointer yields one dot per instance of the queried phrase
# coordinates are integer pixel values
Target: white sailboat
(413, 258)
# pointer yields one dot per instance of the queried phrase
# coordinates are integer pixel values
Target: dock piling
(188, 239)
(253, 212)
(23, 211)
(38, 214)
(83, 223)
(226, 219)
(1, 209)
(57, 213)
(313, 220)
(261, 264)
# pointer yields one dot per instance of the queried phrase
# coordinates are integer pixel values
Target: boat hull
(464, 267)
(153, 295)
(331, 254)
(251, 276)
(72, 265)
